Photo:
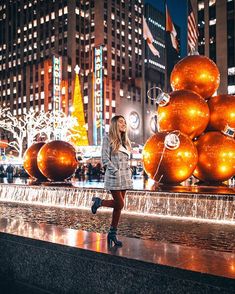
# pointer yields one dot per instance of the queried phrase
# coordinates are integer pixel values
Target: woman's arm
(106, 155)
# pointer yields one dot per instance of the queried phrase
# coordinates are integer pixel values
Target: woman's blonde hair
(116, 137)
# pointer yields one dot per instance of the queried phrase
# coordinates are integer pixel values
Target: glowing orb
(196, 73)
(216, 157)
(186, 111)
(30, 161)
(222, 112)
(169, 165)
(57, 160)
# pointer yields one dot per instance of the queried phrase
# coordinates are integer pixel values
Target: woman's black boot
(112, 238)
(96, 204)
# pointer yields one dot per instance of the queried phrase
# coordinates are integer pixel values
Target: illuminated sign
(57, 64)
(134, 120)
(98, 96)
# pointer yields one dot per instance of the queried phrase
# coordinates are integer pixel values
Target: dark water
(218, 237)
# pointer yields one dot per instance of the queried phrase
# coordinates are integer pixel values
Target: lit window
(231, 89)
(85, 99)
(212, 22)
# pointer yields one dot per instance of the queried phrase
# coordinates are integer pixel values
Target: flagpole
(165, 82)
(187, 27)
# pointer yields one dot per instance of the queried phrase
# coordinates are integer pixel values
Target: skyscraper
(42, 41)
(155, 66)
(216, 21)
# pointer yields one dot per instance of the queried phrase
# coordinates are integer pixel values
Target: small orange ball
(169, 166)
(57, 160)
(222, 112)
(196, 73)
(186, 111)
(216, 157)
(30, 161)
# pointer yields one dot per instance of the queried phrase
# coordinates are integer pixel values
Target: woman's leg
(118, 206)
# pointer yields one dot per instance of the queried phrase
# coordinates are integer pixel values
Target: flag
(192, 29)
(171, 29)
(149, 38)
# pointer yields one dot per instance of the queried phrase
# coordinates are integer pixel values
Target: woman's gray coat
(118, 172)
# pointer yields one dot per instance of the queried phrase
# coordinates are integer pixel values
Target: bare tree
(17, 127)
(28, 128)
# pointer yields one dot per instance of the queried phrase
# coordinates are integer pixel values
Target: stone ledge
(62, 260)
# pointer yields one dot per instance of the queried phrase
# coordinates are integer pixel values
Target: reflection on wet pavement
(203, 235)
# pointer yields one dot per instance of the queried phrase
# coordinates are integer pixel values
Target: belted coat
(117, 168)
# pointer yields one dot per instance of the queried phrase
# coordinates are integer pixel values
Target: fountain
(193, 204)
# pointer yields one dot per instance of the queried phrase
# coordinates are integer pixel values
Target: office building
(155, 66)
(216, 22)
(42, 41)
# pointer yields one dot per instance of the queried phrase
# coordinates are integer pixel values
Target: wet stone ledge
(50, 259)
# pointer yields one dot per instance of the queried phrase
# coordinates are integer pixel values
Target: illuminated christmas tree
(78, 112)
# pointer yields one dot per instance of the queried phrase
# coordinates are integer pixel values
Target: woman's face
(121, 123)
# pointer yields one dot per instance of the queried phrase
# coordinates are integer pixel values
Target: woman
(115, 159)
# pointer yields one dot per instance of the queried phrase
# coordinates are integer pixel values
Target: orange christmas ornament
(30, 161)
(169, 157)
(222, 112)
(57, 160)
(186, 111)
(216, 157)
(196, 73)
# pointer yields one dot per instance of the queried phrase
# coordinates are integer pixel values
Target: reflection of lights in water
(72, 237)
(213, 208)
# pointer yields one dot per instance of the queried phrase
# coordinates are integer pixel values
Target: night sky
(178, 13)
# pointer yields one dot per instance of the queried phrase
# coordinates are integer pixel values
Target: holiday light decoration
(216, 157)
(222, 112)
(169, 157)
(57, 160)
(30, 161)
(78, 113)
(186, 111)
(33, 126)
(196, 73)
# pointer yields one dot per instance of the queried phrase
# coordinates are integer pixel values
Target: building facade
(216, 23)
(155, 68)
(42, 41)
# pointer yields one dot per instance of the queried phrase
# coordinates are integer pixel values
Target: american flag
(192, 29)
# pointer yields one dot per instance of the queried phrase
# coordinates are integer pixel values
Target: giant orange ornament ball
(196, 73)
(216, 157)
(57, 160)
(30, 161)
(169, 166)
(186, 111)
(222, 112)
